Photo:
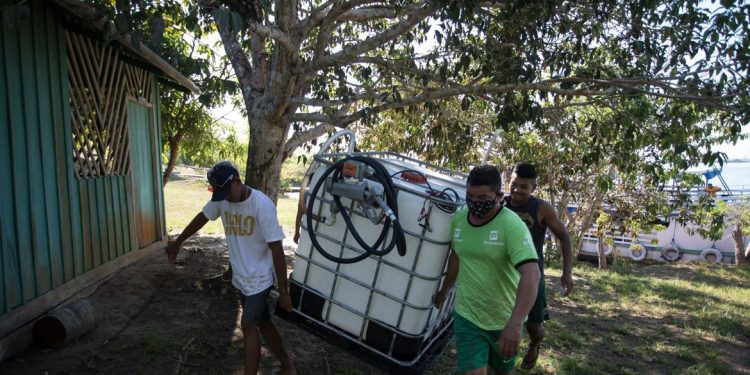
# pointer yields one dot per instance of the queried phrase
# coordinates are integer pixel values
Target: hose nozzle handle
(386, 210)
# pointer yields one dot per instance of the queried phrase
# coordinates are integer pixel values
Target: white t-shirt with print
(249, 226)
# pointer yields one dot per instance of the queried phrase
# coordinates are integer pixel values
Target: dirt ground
(162, 318)
(165, 318)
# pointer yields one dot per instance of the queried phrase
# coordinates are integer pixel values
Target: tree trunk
(585, 214)
(740, 255)
(264, 94)
(264, 156)
(174, 152)
(584, 228)
(581, 231)
(600, 250)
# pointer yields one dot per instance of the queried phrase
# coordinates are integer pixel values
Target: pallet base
(341, 340)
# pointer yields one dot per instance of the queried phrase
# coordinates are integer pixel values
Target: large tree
(305, 67)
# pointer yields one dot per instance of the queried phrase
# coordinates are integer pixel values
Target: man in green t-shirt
(494, 267)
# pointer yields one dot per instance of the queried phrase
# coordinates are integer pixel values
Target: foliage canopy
(305, 67)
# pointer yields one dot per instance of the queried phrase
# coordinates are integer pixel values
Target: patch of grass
(678, 318)
(624, 367)
(706, 368)
(155, 346)
(622, 329)
(575, 366)
(286, 207)
(568, 339)
(185, 198)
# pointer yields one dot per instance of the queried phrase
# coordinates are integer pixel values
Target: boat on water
(676, 242)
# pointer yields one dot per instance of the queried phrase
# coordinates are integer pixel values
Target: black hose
(435, 193)
(398, 239)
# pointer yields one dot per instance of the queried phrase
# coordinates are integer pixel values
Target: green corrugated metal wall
(53, 226)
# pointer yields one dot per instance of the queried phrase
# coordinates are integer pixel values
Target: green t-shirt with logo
(487, 276)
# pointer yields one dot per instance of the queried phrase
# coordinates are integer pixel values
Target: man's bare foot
(532, 354)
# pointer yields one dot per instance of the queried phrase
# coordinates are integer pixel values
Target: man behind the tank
(538, 216)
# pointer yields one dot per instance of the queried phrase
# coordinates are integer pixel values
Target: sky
(739, 151)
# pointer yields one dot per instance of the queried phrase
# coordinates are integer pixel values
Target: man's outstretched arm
(557, 227)
(173, 247)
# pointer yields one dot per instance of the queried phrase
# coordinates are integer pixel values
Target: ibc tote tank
(383, 304)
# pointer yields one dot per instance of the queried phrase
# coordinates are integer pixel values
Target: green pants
(477, 348)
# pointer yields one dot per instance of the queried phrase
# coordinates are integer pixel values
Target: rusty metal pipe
(67, 323)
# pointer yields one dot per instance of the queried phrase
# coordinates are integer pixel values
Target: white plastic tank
(394, 291)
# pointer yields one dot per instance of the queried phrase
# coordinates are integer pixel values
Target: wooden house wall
(54, 224)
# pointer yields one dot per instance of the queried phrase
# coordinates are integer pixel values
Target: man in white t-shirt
(254, 239)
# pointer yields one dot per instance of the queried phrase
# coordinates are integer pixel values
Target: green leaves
(446, 135)
(604, 183)
(226, 18)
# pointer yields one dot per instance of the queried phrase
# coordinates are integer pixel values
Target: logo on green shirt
(457, 235)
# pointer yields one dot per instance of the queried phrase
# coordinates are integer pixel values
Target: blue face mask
(479, 208)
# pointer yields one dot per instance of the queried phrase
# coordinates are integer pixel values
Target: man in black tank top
(538, 216)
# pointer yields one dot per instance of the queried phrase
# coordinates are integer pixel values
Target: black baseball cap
(220, 176)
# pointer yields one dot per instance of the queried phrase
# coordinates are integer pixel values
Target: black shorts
(255, 307)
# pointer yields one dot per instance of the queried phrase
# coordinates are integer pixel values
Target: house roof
(91, 19)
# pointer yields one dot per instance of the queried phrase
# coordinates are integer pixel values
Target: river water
(737, 175)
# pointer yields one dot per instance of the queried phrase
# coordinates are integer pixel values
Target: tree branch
(249, 12)
(325, 19)
(322, 13)
(299, 138)
(333, 102)
(281, 80)
(328, 25)
(366, 14)
(396, 67)
(344, 56)
(240, 63)
(259, 60)
(447, 92)
(596, 90)
(274, 33)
